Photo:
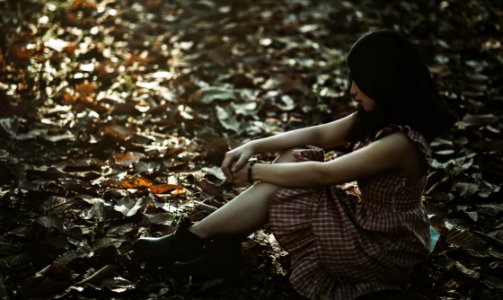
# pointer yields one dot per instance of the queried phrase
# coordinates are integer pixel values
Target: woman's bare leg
(243, 214)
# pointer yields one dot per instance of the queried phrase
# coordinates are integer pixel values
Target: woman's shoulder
(402, 134)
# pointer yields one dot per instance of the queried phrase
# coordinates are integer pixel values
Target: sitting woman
(355, 224)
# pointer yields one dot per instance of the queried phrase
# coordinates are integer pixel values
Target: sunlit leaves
(138, 182)
(115, 116)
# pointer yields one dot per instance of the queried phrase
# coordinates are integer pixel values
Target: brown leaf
(465, 239)
(104, 272)
(50, 280)
(85, 88)
(20, 51)
(118, 132)
(210, 187)
(128, 158)
(83, 4)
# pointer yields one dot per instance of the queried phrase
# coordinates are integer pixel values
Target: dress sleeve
(417, 138)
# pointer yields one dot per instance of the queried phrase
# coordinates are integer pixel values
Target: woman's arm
(324, 136)
(394, 151)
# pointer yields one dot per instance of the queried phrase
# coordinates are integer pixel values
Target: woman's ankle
(197, 230)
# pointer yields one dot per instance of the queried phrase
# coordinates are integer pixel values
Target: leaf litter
(115, 115)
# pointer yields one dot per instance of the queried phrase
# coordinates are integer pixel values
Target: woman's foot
(180, 245)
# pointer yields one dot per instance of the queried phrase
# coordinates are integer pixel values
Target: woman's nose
(352, 91)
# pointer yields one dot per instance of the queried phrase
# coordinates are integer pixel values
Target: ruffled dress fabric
(349, 240)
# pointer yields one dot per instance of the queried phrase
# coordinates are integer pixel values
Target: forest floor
(115, 115)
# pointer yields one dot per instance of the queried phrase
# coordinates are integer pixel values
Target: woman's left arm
(394, 151)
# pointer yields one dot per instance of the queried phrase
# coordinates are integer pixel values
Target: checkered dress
(353, 239)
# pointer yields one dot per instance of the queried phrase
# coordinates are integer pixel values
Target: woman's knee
(285, 157)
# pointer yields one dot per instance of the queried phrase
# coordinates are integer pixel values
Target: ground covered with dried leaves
(115, 115)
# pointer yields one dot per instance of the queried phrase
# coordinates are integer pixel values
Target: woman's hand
(235, 160)
(240, 177)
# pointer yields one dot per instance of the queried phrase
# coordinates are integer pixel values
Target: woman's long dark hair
(387, 68)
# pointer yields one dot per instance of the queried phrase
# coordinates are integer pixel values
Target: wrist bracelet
(251, 180)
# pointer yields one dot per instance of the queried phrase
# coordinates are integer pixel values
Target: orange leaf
(118, 132)
(21, 52)
(83, 4)
(163, 188)
(85, 88)
(135, 182)
(69, 97)
(70, 48)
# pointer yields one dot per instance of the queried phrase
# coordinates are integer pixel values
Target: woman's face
(363, 100)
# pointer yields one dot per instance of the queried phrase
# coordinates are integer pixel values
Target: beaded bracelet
(251, 180)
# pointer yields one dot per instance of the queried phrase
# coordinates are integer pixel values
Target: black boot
(222, 258)
(179, 245)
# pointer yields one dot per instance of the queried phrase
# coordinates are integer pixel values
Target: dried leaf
(128, 158)
(135, 182)
(466, 189)
(227, 119)
(51, 222)
(465, 239)
(468, 272)
(118, 132)
(104, 272)
(210, 94)
(164, 188)
(476, 120)
(85, 88)
(158, 219)
(209, 187)
(121, 230)
(117, 284)
(129, 206)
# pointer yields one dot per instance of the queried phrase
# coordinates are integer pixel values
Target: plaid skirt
(343, 247)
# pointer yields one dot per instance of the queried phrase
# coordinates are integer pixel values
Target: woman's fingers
(239, 164)
(226, 163)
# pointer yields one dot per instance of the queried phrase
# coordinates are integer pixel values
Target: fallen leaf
(129, 206)
(210, 94)
(127, 159)
(163, 188)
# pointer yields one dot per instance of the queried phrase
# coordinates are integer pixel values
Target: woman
(355, 224)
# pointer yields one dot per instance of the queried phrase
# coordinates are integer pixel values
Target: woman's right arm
(323, 136)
